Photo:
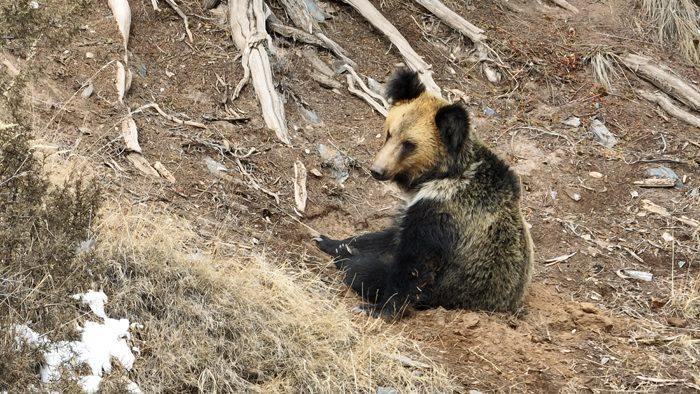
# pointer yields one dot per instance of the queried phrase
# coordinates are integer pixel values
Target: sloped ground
(583, 327)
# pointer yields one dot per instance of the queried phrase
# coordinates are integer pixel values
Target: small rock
(595, 174)
(87, 92)
(490, 112)
(676, 322)
(336, 161)
(84, 130)
(315, 172)
(89, 55)
(387, 390)
(141, 70)
(375, 86)
(309, 115)
(576, 196)
(475, 392)
(34, 5)
(572, 121)
(589, 307)
(602, 135)
(663, 172)
(169, 74)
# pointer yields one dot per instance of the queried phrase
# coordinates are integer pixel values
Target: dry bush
(677, 22)
(40, 228)
(251, 326)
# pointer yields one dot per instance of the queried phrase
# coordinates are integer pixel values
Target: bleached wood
(566, 5)
(318, 39)
(453, 19)
(672, 109)
(412, 59)
(663, 78)
(249, 34)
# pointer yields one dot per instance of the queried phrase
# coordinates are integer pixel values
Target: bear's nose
(378, 174)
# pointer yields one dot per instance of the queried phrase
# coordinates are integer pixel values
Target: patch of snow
(99, 343)
(90, 384)
(95, 300)
(133, 388)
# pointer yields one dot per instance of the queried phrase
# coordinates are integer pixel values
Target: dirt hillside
(586, 325)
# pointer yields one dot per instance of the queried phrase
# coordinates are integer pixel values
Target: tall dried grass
(249, 326)
(677, 22)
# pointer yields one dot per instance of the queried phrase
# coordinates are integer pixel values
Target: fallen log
(663, 78)
(672, 109)
(247, 19)
(412, 59)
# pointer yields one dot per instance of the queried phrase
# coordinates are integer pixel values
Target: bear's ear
(403, 85)
(453, 123)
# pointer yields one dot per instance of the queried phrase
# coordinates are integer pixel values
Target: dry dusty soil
(583, 327)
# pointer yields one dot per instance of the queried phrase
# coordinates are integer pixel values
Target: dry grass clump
(605, 66)
(677, 23)
(250, 326)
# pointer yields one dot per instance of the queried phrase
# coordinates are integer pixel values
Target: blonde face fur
(412, 139)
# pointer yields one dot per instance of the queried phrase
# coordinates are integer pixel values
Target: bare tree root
(667, 105)
(317, 39)
(300, 12)
(453, 20)
(247, 20)
(475, 35)
(412, 59)
(375, 100)
(663, 78)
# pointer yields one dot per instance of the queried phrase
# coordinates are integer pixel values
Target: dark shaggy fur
(460, 242)
(404, 85)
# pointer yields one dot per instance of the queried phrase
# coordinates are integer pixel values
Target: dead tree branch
(412, 59)
(250, 36)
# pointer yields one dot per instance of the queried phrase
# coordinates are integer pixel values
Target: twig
(255, 184)
(182, 15)
(169, 117)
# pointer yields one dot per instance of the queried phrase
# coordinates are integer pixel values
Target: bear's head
(426, 137)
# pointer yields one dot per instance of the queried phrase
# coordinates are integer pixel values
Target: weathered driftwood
(663, 78)
(298, 11)
(300, 193)
(566, 5)
(667, 105)
(250, 36)
(130, 133)
(453, 20)
(412, 59)
(365, 93)
(318, 39)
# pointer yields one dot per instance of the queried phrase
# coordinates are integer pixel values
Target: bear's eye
(407, 148)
